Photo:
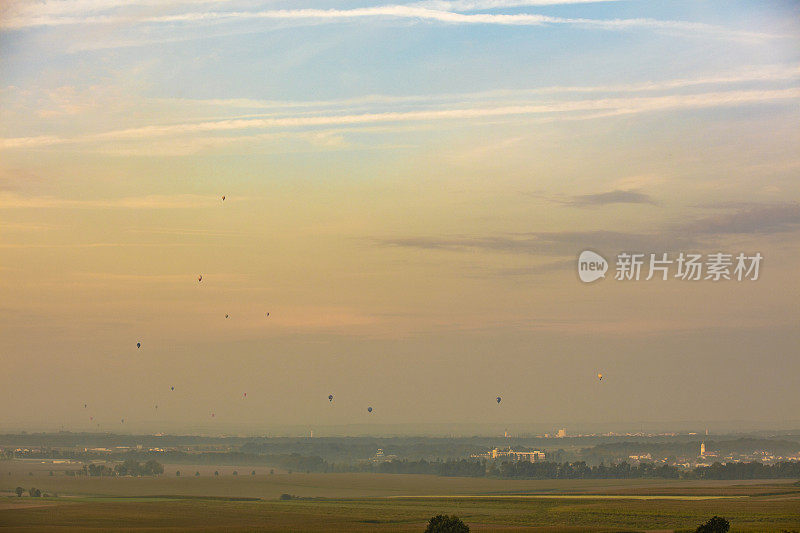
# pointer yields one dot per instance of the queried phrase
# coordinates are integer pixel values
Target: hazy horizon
(407, 188)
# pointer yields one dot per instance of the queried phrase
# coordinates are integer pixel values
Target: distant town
(643, 455)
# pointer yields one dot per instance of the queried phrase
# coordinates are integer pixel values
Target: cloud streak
(616, 196)
(754, 219)
(591, 109)
(180, 201)
(415, 12)
(762, 220)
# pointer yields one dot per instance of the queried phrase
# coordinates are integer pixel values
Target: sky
(407, 189)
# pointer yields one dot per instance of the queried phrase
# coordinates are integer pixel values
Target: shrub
(717, 524)
(446, 524)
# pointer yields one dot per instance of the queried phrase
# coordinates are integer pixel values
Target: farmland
(375, 502)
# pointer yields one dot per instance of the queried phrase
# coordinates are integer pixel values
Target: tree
(153, 468)
(177, 473)
(216, 472)
(20, 491)
(717, 524)
(446, 524)
(197, 474)
(34, 492)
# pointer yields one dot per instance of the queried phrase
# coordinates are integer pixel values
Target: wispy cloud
(571, 110)
(616, 196)
(180, 201)
(750, 219)
(763, 219)
(563, 243)
(759, 73)
(472, 5)
(415, 12)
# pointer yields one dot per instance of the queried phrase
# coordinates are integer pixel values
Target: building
(381, 457)
(561, 433)
(702, 449)
(530, 457)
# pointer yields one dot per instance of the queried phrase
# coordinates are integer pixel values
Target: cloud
(415, 12)
(762, 219)
(761, 73)
(750, 219)
(472, 5)
(616, 196)
(179, 201)
(569, 110)
(565, 243)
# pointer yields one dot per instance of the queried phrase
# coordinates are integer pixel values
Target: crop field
(374, 502)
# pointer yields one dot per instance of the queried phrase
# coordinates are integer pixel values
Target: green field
(374, 502)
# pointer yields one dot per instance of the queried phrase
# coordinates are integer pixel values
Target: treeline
(745, 445)
(575, 470)
(782, 470)
(459, 468)
(580, 470)
(126, 468)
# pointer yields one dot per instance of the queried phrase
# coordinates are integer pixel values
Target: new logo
(591, 266)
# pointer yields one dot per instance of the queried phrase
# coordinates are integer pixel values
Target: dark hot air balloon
(369, 409)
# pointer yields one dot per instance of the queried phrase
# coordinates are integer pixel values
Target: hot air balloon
(226, 315)
(212, 415)
(267, 313)
(330, 398)
(244, 395)
(91, 418)
(369, 409)
(138, 345)
(200, 278)
(172, 387)
(600, 377)
(84, 406)
(223, 197)
(499, 399)
(122, 421)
